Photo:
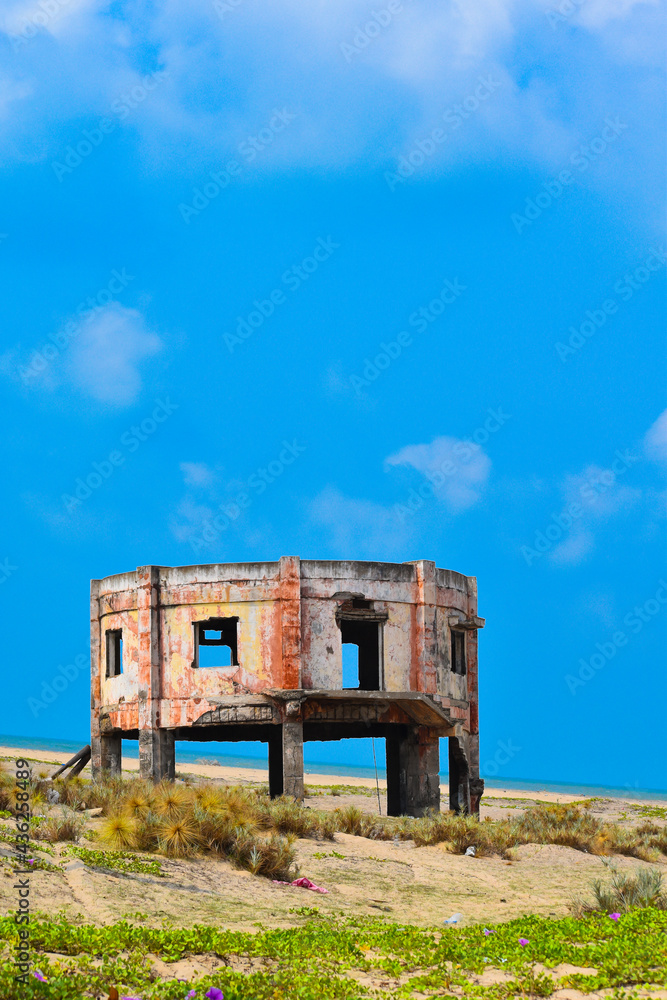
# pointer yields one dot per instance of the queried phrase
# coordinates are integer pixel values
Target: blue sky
(422, 243)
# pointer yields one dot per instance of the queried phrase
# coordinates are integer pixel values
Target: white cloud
(11, 91)
(359, 527)
(189, 518)
(458, 470)
(596, 14)
(226, 75)
(591, 499)
(655, 440)
(197, 474)
(105, 358)
(27, 18)
(574, 549)
(599, 491)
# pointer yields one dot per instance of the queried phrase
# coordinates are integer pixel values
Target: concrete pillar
(156, 755)
(292, 748)
(413, 765)
(476, 784)
(110, 753)
(290, 621)
(156, 745)
(95, 680)
(276, 779)
(286, 760)
(476, 792)
(459, 781)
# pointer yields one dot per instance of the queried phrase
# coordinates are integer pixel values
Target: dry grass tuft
(179, 838)
(119, 832)
(625, 892)
(287, 816)
(137, 803)
(171, 801)
(67, 826)
(273, 858)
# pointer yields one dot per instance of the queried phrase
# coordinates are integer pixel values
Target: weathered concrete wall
(287, 634)
(289, 639)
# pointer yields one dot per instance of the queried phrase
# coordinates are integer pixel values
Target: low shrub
(119, 832)
(179, 837)
(625, 892)
(67, 826)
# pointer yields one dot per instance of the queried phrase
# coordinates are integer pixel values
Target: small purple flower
(192, 993)
(38, 975)
(614, 916)
(523, 942)
(487, 932)
(31, 861)
(215, 994)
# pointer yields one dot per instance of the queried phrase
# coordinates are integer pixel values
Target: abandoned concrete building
(254, 651)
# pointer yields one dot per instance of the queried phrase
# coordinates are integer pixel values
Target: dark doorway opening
(367, 637)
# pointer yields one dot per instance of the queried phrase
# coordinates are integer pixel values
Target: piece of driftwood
(77, 763)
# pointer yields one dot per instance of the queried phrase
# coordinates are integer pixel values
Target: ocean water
(218, 753)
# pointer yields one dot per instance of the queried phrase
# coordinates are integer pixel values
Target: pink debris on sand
(303, 883)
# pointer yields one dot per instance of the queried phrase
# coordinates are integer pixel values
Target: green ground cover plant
(651, 812)
(121, 861)
(334, 959)
(312, 791)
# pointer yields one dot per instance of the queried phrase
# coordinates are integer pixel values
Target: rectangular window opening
(361, 669)
(114, 641)
(216, 643)
(458, 652)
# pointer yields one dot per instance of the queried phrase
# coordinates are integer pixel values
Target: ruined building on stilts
(254, 651)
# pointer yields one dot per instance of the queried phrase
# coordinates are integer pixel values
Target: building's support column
(292, 754)
(290, 621)
(413, 765)
(95, 681)
(110, 753)
(459, 785)
(476, 792)
(276, 780)
(157, 760)
(392, 743)
(476, 784)
(156, 746)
